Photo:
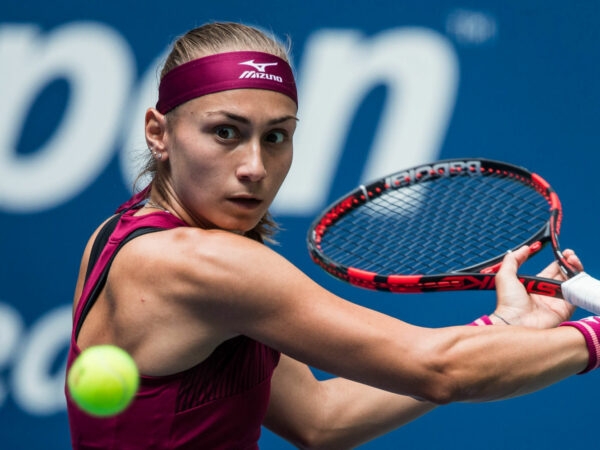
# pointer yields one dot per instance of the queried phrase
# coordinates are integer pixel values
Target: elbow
(441, 381)
(440, 394)
(436, 389)
(316, 439)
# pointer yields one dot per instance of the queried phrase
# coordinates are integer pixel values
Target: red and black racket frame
(479, 277)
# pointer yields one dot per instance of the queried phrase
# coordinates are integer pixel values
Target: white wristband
(583, 291)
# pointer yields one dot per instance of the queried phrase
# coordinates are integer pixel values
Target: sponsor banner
(382, 86)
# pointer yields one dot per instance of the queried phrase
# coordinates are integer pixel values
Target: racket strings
(437, 226)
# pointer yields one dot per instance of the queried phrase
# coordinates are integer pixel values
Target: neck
(151, 204)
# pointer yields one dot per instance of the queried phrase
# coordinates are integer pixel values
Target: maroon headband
(223, 72)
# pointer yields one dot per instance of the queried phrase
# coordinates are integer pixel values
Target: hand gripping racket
(446, 226)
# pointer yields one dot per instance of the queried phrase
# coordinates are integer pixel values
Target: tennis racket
(446, 226)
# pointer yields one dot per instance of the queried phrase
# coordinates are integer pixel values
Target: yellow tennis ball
(103, 380)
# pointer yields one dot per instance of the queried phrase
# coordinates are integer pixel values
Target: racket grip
(583, 291)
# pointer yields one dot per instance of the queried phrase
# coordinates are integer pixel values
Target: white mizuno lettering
(259, 75)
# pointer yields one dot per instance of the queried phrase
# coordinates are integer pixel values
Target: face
(228, 154)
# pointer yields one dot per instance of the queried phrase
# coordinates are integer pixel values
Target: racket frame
(475, 277)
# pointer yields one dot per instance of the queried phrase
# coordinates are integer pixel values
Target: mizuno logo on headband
(261, 74)
(258, 66)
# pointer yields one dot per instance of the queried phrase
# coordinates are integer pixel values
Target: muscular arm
(248, 289)
(339, 413)
(335, 413)
(179, 293)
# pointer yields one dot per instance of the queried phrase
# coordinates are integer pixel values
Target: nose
(252, 165)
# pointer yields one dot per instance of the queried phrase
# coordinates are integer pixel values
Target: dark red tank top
(218, 404)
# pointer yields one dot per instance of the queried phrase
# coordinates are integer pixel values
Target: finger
(552, 270)
(507, 284)
(513, 260)
(573, 259)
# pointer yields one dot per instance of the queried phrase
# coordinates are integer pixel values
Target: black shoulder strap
(99, 244)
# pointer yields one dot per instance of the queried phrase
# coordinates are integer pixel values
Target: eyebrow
(247, 121)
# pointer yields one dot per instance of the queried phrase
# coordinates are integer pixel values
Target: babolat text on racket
(446, 226)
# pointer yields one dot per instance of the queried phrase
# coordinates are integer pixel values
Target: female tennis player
(223, 329)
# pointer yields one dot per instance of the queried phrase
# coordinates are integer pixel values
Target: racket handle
(583, 291)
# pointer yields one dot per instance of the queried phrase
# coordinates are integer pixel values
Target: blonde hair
(221, 37)
(210, 39)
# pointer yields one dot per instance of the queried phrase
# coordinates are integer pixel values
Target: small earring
(158, 155)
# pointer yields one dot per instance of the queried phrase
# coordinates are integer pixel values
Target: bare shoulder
(231, 281)
(201, 266)
(202, 254)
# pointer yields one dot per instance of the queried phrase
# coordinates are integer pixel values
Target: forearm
(455, 364)
(335, 413)
(355, 413)
(451, 364)
(498, 362)
(358, 413)
(464, 363)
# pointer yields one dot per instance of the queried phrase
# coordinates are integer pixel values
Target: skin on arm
(274, 303)
(338, 413)
(334, 413)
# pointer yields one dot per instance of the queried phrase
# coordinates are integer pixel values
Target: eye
(226, 133)
(275, 137)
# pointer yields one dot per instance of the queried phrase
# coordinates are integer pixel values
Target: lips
(246, 202)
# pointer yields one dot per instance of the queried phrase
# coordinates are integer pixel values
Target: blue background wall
(510, 80)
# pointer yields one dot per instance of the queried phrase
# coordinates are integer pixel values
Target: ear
(156, 133)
